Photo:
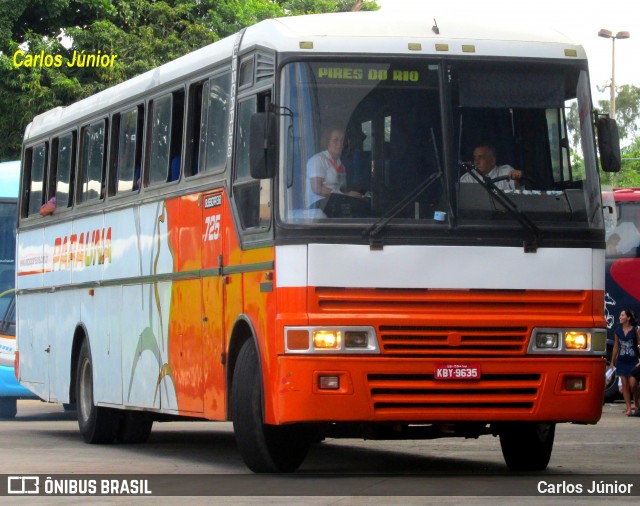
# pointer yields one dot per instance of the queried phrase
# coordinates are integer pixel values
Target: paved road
(44, 440)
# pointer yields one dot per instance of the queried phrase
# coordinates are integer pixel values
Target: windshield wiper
(535, 234)
(372, 231)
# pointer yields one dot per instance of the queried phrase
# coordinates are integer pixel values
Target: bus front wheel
(264, 448)
(97, 424)
(527, 446)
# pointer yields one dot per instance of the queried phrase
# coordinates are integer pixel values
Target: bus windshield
(361, 138)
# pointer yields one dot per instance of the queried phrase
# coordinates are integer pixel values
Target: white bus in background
(190, 269)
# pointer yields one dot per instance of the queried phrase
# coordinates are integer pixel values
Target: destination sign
(368, 74)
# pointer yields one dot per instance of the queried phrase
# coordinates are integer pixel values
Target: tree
(143, 34)
(627, 113)
(627, 110)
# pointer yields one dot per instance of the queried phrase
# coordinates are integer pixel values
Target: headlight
(330, 339)
(548, 340)
(577, 340)
(544, 340)
(327, 339)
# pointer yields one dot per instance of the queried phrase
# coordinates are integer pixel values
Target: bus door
(213, 304)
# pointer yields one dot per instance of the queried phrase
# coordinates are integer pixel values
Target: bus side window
(157, 169)
(208, 125)
(92, 165)
(127, 151)
(35, 169)
(177, 126)
(215, 143)
(63, 170)
(165, 144)
(196, 128)
(252, 196)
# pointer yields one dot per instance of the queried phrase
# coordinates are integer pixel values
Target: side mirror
(609, 144)
(263, 143)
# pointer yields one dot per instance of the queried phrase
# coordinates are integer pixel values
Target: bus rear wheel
(527, 446)
(97, 424)
(264, 448)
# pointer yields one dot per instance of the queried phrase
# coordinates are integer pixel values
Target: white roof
(354, 32)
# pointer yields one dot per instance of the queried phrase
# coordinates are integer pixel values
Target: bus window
(245, 110)
(252, 195)
(36, 178)
(62, 173)
(217, 122)
(209, 125)
(196, 128)
(167, 114)
(389, 151)
(158, 169)
(177, 123)
(563, 169)
(129, 150)
(246, 73)
(93, 161)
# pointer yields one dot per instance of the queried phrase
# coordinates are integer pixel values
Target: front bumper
(387, 389)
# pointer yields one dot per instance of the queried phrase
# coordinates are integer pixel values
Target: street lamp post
(608, 34)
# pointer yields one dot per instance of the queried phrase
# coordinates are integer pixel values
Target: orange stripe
(29, 273)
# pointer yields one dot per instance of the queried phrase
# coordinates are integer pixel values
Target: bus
(622, 286)
(10, 389)
(189, 269)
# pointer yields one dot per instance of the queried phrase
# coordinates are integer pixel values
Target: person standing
(625, 354)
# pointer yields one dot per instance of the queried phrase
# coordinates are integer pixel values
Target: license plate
(456, 372)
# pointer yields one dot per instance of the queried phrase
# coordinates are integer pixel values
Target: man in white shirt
(484, 159)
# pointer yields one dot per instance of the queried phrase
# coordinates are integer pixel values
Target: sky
(578, 19)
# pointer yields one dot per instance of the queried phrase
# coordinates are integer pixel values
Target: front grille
(453, 341)
(393, 393)
(454, 323)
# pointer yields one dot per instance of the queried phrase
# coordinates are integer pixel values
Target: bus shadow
(216, 449)
(49, 416)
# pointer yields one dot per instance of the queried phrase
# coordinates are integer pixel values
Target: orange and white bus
(195, 265)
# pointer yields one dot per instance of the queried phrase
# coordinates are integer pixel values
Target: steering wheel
(532, 182)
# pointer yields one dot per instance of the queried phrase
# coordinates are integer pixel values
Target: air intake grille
(392, 393)
(453, 341)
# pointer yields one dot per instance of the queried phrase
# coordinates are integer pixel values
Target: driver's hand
(515, 174)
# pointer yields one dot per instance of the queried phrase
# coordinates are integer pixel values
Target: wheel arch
(243, 331)
(79, 336)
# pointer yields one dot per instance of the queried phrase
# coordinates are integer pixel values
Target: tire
(8, 408)
(98, 425)
(135, 427)
(264, 448)
(527, 446)
(68, 407)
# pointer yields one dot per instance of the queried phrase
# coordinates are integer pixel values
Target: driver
(484, 160)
